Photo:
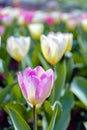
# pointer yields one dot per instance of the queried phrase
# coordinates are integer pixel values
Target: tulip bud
(69, 40)
(53, 48)
(84, 24)
(36, 29)
(72, 23)
(18, 47)
(36, 84)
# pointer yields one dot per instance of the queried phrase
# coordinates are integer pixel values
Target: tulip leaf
(21, 109)
(67, 102)
(79, 88)
(83, 45)
(48, 110)
(5, 91)
(34, 57)
(85, 124)
(3, 54)
(47, 107)
(56, 112)
(60, 81)
(69, 69)
(18, 122)
(43, 62)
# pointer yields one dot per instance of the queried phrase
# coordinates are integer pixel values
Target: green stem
(54, 69)
(35, 118)
(52, 97)
(19, 66)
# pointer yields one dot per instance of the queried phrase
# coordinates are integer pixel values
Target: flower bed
(43, 65)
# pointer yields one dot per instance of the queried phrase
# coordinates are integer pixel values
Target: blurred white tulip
(18, 47)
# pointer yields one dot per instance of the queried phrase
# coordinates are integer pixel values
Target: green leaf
(79, 104)
(67, 103)
(60, 81)
(48, 108)
(85, 124)
(5, 91)
(69, 68)
(56, 110)
(3, 53)
(21, 109)
(34, 57)
(43, 62)
(18, 122)
(79, 88)
(83, 45)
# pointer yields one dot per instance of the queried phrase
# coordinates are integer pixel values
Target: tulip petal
(18, 47)
(39, 70)
(29, 72)
(21, 84)
(53, 48)
(43, 89)
(50, 73)
(31, 88)
(36, 84)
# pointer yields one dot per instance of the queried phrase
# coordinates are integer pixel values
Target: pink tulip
(28, 16)
(49, 19)
(36, 84)
(84, 16)
(1, 30)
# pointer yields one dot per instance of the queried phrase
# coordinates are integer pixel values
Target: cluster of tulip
(53, 46)
(50, 57)
(36, 84)
(71, 19)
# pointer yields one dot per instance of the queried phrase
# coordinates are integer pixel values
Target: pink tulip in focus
(36, 84)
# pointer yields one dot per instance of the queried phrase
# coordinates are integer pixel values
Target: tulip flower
(18, 47)
(84, 24)
(36, 84)
(72, 23)
(53, 48)
(69, 39)
(49, 19)
(25, 17)
(38, 17)
(36, 29)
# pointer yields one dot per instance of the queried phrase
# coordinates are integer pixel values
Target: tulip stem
(54, 68)
(18, 66)
(52, 98)
(35, 118)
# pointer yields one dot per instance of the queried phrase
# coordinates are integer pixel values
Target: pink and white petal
(43, 90)
(43, 76)
(39, 71)
(29, 72)
(21, 84)
(30, 87)
(50, 74)
(35, 80)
